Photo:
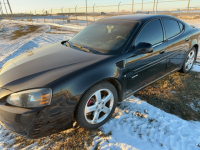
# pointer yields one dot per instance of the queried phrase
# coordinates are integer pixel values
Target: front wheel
(189, 61)
(96, 106)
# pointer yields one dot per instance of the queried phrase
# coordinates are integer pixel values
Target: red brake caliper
(90, 103)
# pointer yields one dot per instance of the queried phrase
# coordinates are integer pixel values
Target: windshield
(105, 36)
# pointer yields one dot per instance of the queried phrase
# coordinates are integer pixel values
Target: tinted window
(105, 36)
(181, 26)
(171, 27)
(152, 33)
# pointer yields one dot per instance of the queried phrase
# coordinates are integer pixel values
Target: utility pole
(118, 7)
(86, 11)
(9, 6)
(188, 6)
(142, 6)
(132, 5)
(154, 6)
(1, 8)
(5, 6)
(93, 12)
(76, 16)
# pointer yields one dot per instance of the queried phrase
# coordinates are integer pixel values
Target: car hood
(54, 61)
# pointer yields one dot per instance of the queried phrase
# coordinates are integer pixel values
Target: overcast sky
(27, 5)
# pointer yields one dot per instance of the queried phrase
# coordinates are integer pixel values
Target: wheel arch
(196, 46)
(115, 82)
(118, 87)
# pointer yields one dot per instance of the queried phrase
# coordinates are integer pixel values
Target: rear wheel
(96, 106)
(189, 61)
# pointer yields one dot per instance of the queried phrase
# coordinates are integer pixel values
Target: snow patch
(159, 130)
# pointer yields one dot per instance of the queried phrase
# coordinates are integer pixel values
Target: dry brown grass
(22, 32)
(174, 94)
(189, 17)
(78, 138)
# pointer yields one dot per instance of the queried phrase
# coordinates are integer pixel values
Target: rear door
(177, 44)
(146, 68)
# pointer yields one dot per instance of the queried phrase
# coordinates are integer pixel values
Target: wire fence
(86, 15)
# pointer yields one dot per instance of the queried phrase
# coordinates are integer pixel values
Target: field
(164, 115)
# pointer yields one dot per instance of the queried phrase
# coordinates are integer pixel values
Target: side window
(151, 33)
(181, 26)
(171, 27)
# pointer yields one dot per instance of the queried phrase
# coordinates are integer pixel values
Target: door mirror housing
(143, 48)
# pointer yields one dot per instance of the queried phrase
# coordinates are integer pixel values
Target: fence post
(132, 5)
(30, 16)
(76, 15)
(51, 14)
(118, 7)
(26, 16)
(44, 15)
(22, 16)
(62, 14)
(93, 13)
(36, 15)
(16, 15)
(188, 6)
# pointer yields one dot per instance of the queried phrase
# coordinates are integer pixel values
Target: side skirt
(151, 82)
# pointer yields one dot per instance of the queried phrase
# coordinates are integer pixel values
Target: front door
(146, 68)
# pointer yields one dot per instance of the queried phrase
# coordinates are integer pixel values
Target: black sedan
(45, 91)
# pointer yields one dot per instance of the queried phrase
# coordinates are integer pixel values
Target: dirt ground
(177, 94)
(24, 30)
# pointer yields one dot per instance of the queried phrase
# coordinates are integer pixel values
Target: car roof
(137, 17)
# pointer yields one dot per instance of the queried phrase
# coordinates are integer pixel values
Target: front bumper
(35, 123)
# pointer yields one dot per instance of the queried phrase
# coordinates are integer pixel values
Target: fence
(86, 15)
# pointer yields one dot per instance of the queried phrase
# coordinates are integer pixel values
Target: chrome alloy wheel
(189, 60)
(99, 106)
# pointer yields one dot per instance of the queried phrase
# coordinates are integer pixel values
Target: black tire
(80, 109)
(183, 69)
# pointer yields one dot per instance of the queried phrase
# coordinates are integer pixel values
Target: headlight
(31, 98)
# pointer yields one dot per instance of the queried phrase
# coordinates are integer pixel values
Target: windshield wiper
(82, 48)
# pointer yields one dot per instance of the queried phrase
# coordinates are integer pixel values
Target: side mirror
(143, 48)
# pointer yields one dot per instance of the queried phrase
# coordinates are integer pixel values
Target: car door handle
(187, 39)
(162, 51)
